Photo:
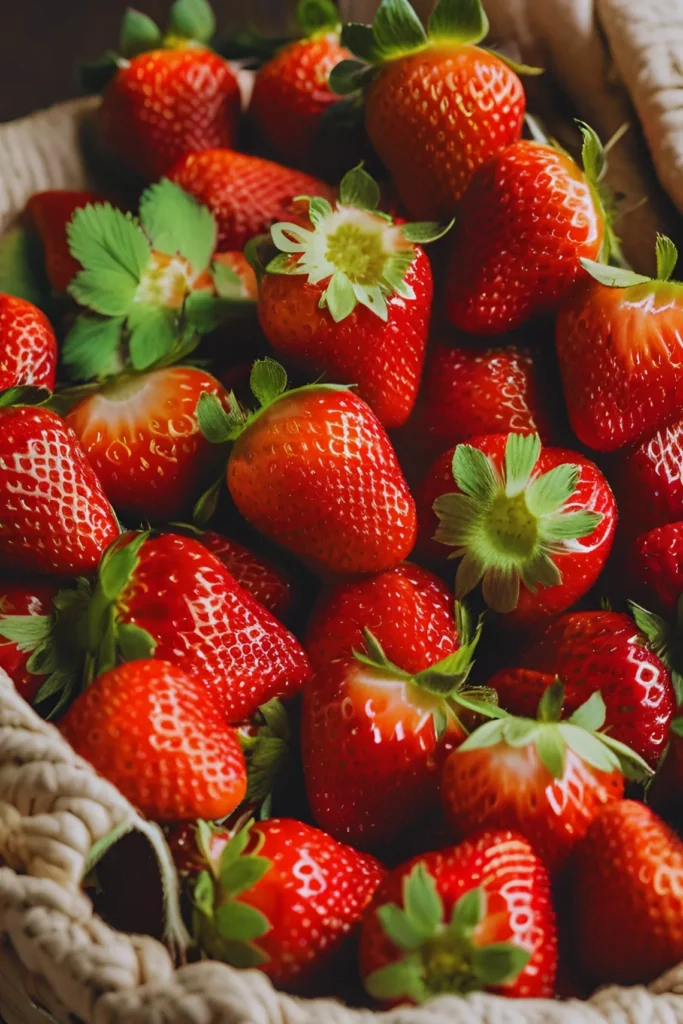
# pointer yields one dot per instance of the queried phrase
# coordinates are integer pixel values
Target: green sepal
(358, 188)
(268, 380)
(104, 844)
(613, 277)
(118, 565)
(153, 336)
(550, 704)
(241, 875)
(217, 425)
(314, 16)
(207, 503)
(92, 348)
(593, 156)
(204, 312)
(396, 981)
(426, 231)
(458, 21)
(203, 894)
(112, 249)
(591, 714)
(94, 75)
(139, 34)
(192, 19)
(22, 268)
(397, 30)
(27, 632)
(176, 222)
(24, 394)
(349, 76)
(135, 643)
(267, 754)
(499, 963)
(667, 257)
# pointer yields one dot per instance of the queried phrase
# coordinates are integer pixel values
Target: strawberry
(291, 92)
(374, 738)
(592, 650)
(468, 391)
(468, 917)
(617, 346)
(516, 514)
(281, 896)
(628, 896)
(265, 581)
(156, 733)
(528, 217)
(149, 285)
(28, 347)
(649, 481)
(54, 515)
(167, 96)
(454, 103)
(245, 193)
(350, 297)
(407, 608)
(314, 470)
(27, 604)
(141, 435)
(655, 565)
(544, 778)
(48, 214)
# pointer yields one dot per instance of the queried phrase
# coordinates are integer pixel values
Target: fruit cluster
(366, 766)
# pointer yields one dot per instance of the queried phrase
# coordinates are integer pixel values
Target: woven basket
(58, 961)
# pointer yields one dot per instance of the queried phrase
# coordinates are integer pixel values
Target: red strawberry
(534, 525)
(469, 391)
(350, 297)
(436, 106)
(655, 565)
(629, 896)
(649, 481)
(22, 600)
(281, 896)
(544, 778)
(141, 436)
(168, 96)
(597, 650)
(618, 347)
(468, 917)
(28, 347)
(55, 517)
(245, 193)
(526, 220)
(291, 92)
(266, 582)
(374, 738)
(48, 214)
(156, 733)
(314, 470)
(407, 608)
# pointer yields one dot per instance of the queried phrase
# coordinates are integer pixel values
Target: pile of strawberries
(356, 642)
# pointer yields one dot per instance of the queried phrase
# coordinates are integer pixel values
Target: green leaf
(139, 34)
(539, 570)
(339, 297)
(549, 492)
(631, 764)
(422, 902)
(397, 981)
(592, 153)
(236, 847)
(104, 239)
(349, 75)
(94, 75)
(58, 681)
(109, 292)
(551, 750)
(470, 571)
(550, 704)
(422, 232)
(399, 928)
(267, 766)
(667, 257)
(239, 922)
(192, 19)
(499, 962)
(104, 844)
(589, 747)
(24, 394)
(204, 312)
(481, 707)
(461, 21)
(26, 631)
(207, 503)
(591, 714)
(22, 269)
(521, 455)
(487, 735)
(359, 189)
(227, 282)
(500, 588)
(154, 334)
(397, 29)
(203, 894)
(177, 223)
(91, 348)
(242, 874)
(268, 381)
(360, 40)
(314, 16)
(215, 423)
(469, 911)
(135, 643)
(570, 525)
(118, 565)
(474, 473)
(613, 277)
(653, 627)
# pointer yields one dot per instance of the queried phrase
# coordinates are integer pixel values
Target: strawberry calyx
(356, 248)
(317, 18)
(621, 277)
(553, 737)
(507, 525)
(24, 394)
(665, 639)
(265, 742)
(441, 955)
(225, 927)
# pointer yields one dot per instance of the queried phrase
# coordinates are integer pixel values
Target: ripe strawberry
(655, 566)
(157, 734)
(628, 896)
(617, 345)
(468, 391)
(141, 435)
(265, 581)
(48, 214)
(454, 104)
(350, 297)
(28, 347)
(649, 481)
(25, 610)
(168, 96)
(54, 514)
(544, 778)
(468, 917)
(281, 896)
(291, 91)
(516, 514)
(245, 193)
(407, 608)
(314, 470)
(374, 738)
(526, 220)
(594, 650)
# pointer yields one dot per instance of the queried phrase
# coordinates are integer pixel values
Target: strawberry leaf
(227, 282)
(177, 223)
(423, 905)
(267, 381)
(474, 473)
(314, 16)
(108, 292)
(217, 425)
(207, 503)
(113, 251)
(551, 748)
(359, 189)
(397, 29)
(500, 588)
(570, 525)
(350, 75)
(95, 74)
(397, 981)
(592, 153)
(549, 492)
(499, 962)
(521, 455)
(203, 894)
(138, 34)
(91, 348)
(134, 643)
(26, 631)
(613, 277)
(550, 704)
(118, 565)
(154, 334)
(591, 714)
(422, 232)
(192, 19)
(238, 922)
(667, 257)
(461, 21)
(468, 912)
(243, 874)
